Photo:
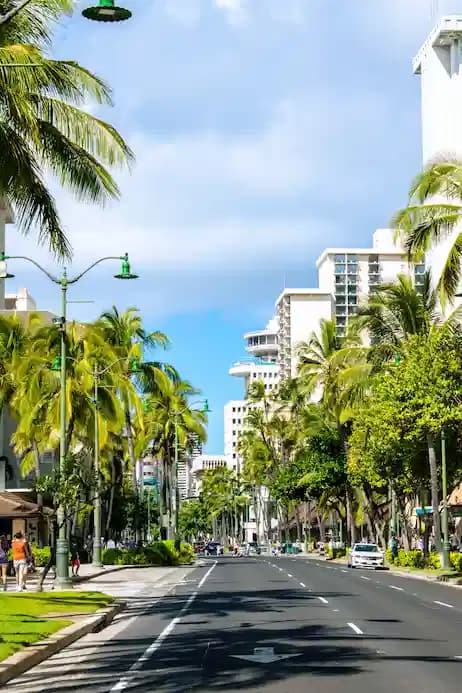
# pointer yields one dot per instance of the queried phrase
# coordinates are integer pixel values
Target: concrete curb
(29, 657)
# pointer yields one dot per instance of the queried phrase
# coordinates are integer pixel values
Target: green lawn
(23, 617)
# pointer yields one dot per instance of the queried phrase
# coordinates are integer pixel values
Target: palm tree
(42, 128)
(431, 216)
(126, 336)
(169, 418)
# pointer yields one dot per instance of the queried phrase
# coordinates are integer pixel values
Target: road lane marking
(458, 657)
(289, 575)
(324, 601)
(393, 587)
(363, 577)
(126, 680)
(302, 584)
(344, 571)
(450, 606)
(354, 627)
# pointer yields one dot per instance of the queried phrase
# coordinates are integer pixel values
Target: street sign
(427, 510)
(265, 655)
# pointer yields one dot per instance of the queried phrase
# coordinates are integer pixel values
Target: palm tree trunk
(434, 490)
(39, 495)
(132, 458)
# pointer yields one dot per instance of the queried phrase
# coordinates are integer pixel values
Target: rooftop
(303, 292)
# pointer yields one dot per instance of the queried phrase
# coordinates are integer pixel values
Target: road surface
(277, 625)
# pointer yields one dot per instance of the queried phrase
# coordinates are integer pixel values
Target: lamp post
(446, 562)
(175, 495)
(62, 544)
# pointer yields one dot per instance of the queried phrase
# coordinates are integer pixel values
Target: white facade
(201, 464)
(299, 313)
(439, 64)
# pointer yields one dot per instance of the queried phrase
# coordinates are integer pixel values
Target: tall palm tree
(126, 336)
(43, 129)
(432, 215)
(170, 418)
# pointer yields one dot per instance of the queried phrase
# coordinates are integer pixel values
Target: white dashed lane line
(324, 601)
(289, 575)
(302, 584)
(344, 571)
(393, 587)
(363, 577)
(449, 606)
(355, 628)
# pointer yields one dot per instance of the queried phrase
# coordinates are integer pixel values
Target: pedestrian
(21, 556)
(4, 548)
(110, 544)
(75, 559)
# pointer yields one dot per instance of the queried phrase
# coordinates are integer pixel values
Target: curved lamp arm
(4, 257)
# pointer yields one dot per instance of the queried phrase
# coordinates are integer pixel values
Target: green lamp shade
(106, 11)
(206, 409)
(56, 365)
(6, 275)
(125, 272)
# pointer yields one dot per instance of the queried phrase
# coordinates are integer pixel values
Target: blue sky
(265, 130)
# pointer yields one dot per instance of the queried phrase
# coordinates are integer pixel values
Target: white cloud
(237, 11)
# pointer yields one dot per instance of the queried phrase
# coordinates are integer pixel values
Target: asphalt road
(279, 625)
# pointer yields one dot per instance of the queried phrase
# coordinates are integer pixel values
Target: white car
(365, 556)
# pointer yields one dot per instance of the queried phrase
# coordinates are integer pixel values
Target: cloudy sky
(264, 131)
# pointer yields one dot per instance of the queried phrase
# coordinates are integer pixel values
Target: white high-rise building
(263, 345)
(346, 276)
(199, 465)
(299, 313)
(439, 64)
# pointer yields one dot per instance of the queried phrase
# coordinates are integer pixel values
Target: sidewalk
(89, 573)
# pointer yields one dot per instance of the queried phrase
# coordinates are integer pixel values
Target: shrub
(456, 561)
(157, 553)
(111, 556)
(41, 556)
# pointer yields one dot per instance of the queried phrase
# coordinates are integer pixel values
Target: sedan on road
(213, 548)
(365, 556)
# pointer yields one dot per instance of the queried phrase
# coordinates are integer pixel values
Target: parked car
(199, 546)
(254, 548)
(365, 555)
(213, 548)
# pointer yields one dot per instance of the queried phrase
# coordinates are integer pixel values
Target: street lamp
(62, 544)
(177, 413)
(106, 11)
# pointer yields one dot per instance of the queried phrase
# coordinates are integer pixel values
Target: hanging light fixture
(106, 11)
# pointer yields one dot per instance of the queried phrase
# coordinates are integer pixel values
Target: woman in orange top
(21, 554)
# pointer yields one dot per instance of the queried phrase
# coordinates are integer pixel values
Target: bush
(41, 556)
(111, 556)
(157, 553)
(456, 561)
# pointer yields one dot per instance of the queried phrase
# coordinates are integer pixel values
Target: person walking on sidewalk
(4, 548)
(21, 555)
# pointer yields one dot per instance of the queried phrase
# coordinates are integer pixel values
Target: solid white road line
(126, 680)
(357, 630)
(324, 601)
(393, 587)
(302, 584)
(450, 606)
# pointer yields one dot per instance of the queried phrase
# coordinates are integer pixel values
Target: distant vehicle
(365, 556)
(213, 548)
(199, 546)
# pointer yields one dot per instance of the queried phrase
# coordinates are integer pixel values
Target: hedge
(157, 553)
(417, 559)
